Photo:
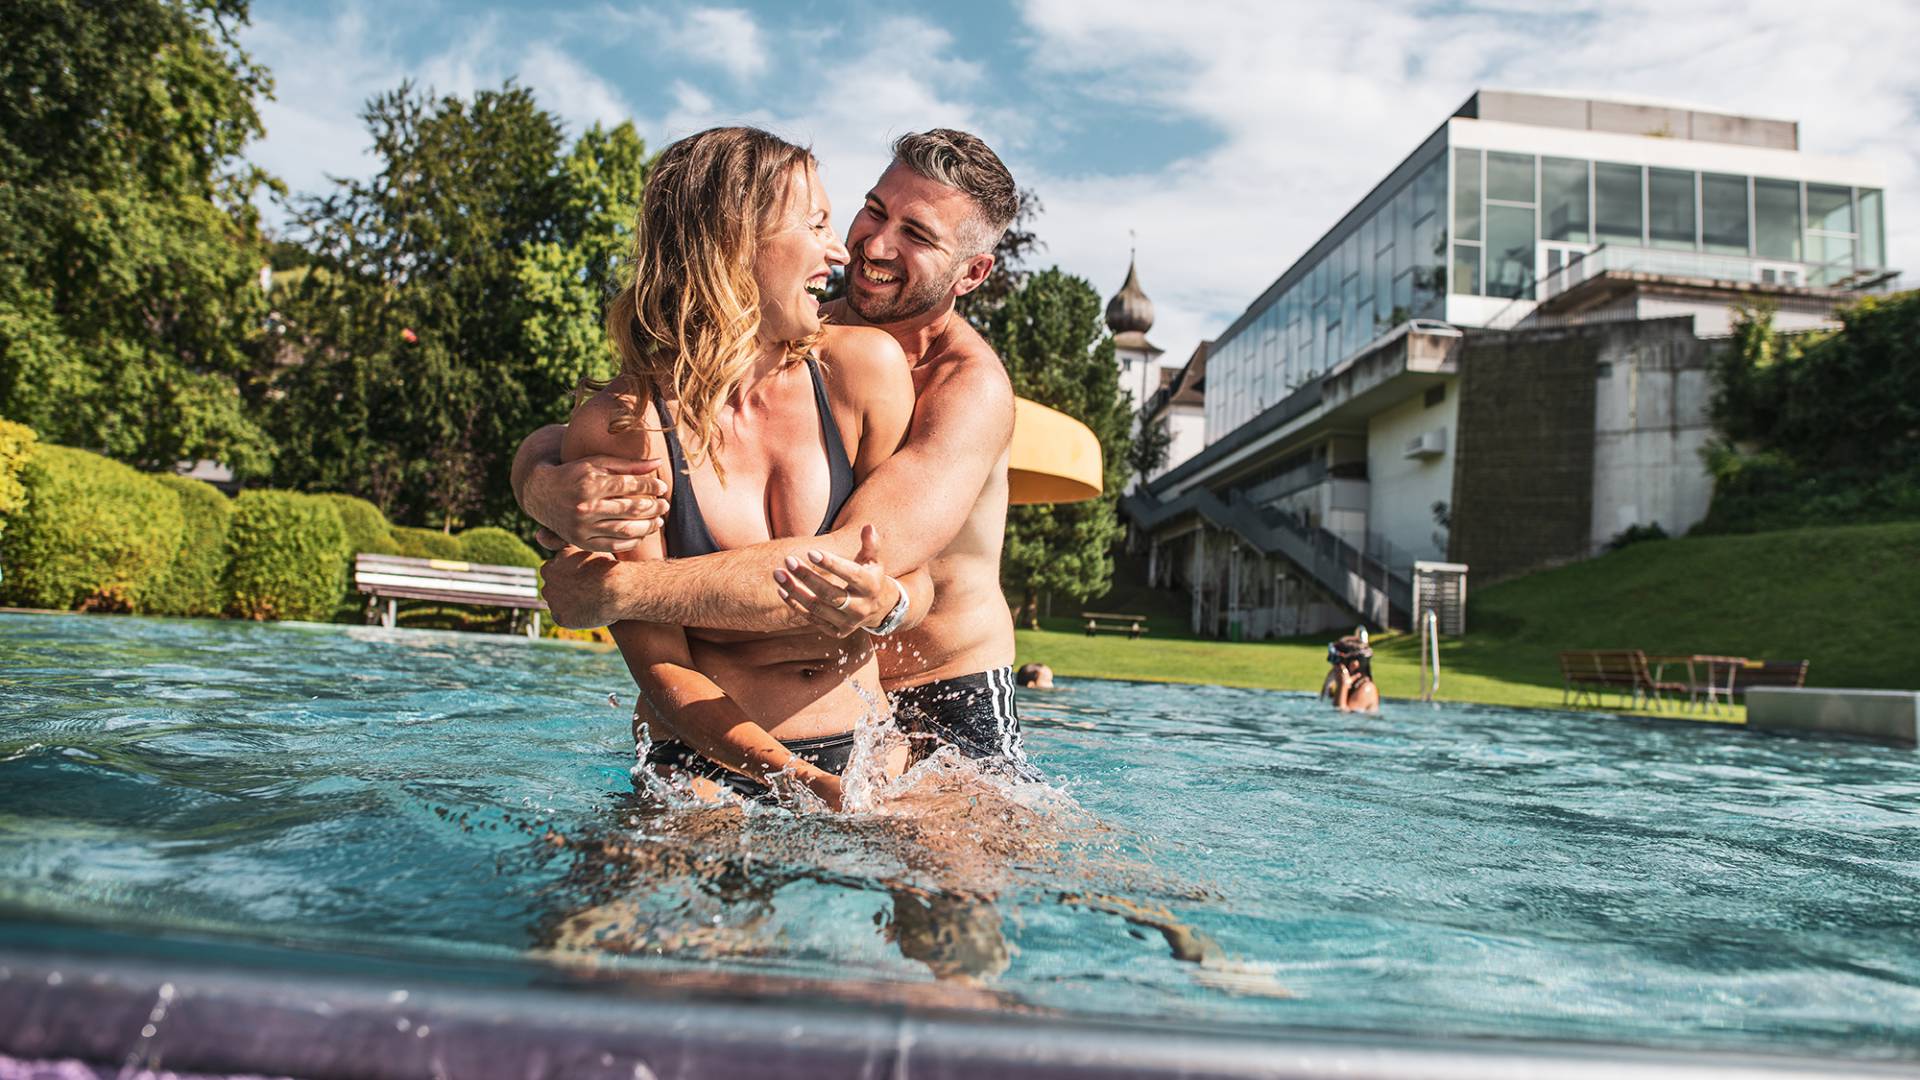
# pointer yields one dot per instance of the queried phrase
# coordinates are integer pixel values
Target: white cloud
(325, 70)
(1315, 101)
(726, 38)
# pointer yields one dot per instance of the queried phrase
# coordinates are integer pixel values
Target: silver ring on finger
(844, 601)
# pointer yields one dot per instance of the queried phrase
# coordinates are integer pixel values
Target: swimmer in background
(1034, 677)
(1350, 682)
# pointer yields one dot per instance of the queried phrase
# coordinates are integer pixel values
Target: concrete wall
(1523, 464)
(1187, 424)
(1402, 490)
(1652, 391)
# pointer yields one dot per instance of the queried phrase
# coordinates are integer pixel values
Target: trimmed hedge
(425, 543)
(193, 585)
(16, 442)
(367, 528)
(94, 534)
(287, 556)
(496, 547)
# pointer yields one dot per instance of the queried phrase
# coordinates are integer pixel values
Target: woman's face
(794, 260)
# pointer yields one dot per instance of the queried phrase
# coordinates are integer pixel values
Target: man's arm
(598, 502)
(962, 423)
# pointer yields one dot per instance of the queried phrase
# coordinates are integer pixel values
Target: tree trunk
(1029, 615)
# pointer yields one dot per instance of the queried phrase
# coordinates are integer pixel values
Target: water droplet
(148, 1031)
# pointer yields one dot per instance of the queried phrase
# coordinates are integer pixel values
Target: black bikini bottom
(828, 752)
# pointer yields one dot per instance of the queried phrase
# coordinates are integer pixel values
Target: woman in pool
(769, 419)
(1350, 682)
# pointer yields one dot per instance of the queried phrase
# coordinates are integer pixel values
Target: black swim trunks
(829, 752)
(974, 713)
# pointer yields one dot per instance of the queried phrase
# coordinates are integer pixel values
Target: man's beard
(906, 304)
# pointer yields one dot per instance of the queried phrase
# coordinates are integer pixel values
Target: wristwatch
(894, 618)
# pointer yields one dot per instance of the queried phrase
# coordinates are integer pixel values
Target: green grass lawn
(1846, 598)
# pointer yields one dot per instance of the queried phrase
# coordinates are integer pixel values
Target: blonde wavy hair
(689, 315)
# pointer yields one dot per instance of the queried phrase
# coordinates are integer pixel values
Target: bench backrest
(1788, 673)
(1610, 665)
(446, 578)
(1111, 615)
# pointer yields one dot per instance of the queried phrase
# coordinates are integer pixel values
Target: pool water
(1198, 854)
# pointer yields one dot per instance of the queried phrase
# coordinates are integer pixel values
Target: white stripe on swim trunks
(1005, 721)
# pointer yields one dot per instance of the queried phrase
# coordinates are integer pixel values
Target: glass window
(1563, 200)
(1383, 287)
(1873, 254)
(1403, 230)
(1776, 212)
(1466, 194)
(1829, 208)
(1365, 250)
(1832, 256)
(1670, 217)
(1466, 269)
(1616, 197)
(1723, 213)
(1509, 254)
(1427, 188)
(1510, 177)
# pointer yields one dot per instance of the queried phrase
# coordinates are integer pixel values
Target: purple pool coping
(78, 1016)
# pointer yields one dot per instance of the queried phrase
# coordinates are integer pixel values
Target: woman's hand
(838, 596)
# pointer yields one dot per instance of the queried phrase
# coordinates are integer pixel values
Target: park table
(1719, 670)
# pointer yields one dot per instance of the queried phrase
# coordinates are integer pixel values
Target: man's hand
(578, 588)
(599, 503)
(839, 596)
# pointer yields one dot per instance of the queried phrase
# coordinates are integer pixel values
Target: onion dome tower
(1130, 316)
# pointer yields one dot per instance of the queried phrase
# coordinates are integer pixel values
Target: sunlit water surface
(1226, 856)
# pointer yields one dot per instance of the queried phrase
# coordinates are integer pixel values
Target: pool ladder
(1429, 655)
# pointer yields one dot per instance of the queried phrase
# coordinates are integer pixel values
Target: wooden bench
(1791, 674)
(396, 577)
(1131, 625)
(1591, 672)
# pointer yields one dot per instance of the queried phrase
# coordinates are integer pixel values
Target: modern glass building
(1518, 198)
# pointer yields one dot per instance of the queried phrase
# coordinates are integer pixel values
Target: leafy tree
(1050, 331)
(1151, 444)
(130, 309)
(453, 302)
(565, 282)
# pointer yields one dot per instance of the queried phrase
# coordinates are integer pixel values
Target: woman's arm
(687, 702)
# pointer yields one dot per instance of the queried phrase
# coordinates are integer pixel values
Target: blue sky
(1228, 134)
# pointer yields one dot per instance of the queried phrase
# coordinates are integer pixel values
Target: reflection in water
(691, 874)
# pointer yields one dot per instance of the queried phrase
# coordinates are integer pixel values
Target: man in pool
(923, 238)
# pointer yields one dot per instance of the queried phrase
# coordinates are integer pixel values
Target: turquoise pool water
(1220, 856)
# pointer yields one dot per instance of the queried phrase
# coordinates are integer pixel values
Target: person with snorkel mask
(1350, 682)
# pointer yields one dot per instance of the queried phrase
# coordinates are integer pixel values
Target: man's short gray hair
(965, 163)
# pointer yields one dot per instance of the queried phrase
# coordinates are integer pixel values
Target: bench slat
(449, 575)
(393, 593)
(369, 559)
(374, 582)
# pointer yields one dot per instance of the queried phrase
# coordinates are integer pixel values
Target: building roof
(1629, 116)
(1130, 311)
(1185, 385)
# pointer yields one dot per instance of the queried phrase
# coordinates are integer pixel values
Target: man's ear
(976, 273)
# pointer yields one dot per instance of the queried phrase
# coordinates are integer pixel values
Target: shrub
(193, 585)
(425, 543)
(498, 547)
(287, 556)
(16, 443)
(1635, 534)
(93, 535)
(367, 528)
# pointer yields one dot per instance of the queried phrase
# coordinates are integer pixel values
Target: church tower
(1130, 316)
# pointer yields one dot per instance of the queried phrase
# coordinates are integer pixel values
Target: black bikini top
(686, 532)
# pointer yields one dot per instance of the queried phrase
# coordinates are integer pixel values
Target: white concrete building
(1538, 257)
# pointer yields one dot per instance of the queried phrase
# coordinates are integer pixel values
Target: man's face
(910, 248)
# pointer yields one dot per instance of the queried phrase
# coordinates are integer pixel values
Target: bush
(497, 547)
(94, 534)
(425, 543)
(287, 556)
(1634, 534)
(194, 584)
(367, 528)
(16, 443)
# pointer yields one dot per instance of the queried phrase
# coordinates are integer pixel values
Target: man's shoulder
(964, 363)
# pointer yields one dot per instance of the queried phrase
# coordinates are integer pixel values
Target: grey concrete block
(1887, 715)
